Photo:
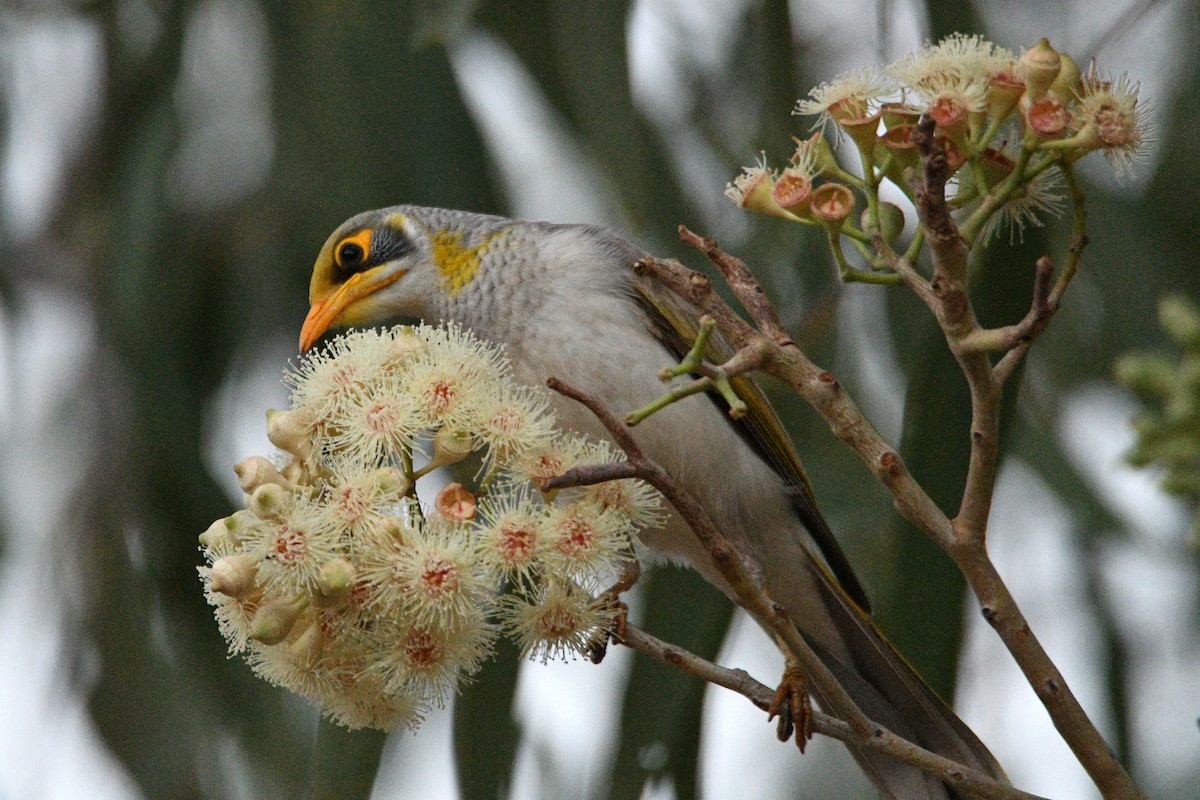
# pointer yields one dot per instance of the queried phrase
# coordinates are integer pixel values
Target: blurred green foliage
(366, 111)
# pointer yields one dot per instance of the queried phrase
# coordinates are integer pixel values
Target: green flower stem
(667, 398)
(695, 357)
(855, 233)
(996, 199)
(914, 247)
(849, 274)
(737, 407)
(1078, 232)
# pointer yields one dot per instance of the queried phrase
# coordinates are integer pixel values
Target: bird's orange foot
(792, 705)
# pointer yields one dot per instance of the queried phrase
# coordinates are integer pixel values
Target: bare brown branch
(967, 781)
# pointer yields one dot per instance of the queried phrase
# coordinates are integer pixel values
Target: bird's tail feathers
(889, 691)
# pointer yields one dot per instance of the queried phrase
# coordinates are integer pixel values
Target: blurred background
(168, 172)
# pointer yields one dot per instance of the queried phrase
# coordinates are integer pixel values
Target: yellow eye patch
(354, 250)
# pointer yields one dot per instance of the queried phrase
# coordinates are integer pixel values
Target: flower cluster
(1168, 428)
(1008, 124)
(337, 583)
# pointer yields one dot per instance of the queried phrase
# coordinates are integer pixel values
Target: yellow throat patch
(457, 263)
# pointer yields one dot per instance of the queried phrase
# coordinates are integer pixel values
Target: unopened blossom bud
(1068, 82)
(450, 446)
(275, 619)
(792, 191)
(1048, 117)
(1038, 67)
(392, 482)
(268, 501)
(290, 431)
(396, 529)
(233, 576)
(255, 471)
(218, 534)
(308, 646)
(296, 473)
(335, 581)
(891, 221)
(456, 504)
(405, 345)
(832, 203)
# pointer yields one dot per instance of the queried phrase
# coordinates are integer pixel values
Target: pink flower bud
(233, 576)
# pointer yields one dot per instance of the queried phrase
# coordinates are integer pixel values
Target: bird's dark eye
(350, 254)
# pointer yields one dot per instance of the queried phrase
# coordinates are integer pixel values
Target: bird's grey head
(398, 261)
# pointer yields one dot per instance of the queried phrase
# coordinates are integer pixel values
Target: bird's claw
(792, 705)
(598, 647)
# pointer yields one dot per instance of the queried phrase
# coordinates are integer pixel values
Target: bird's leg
(598, 647)
(792, 705)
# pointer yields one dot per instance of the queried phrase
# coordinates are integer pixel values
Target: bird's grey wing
(676, 324)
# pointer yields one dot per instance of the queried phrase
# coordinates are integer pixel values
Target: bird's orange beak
(327, 310)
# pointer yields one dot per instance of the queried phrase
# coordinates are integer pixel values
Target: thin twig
(968, 781)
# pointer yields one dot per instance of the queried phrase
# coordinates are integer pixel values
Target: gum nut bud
(276, 618)
(308, 646)
(1048, 117)
(1068, 82)
(336, 580)
(1180, 318)
(450, 446)
(268, 501)
(405, 344)
(233, 576)
(792, 190)
(217, 534)
(832, 203)
(295, 473)
(392, 481)
(396, 529)
(290, 431)
(456, 504)
(891, 220)
(255, 471)
(1038, 67)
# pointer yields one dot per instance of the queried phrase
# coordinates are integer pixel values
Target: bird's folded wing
(676, 324)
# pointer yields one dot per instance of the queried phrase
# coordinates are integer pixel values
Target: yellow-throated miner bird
(564, 301)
